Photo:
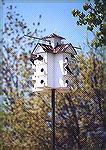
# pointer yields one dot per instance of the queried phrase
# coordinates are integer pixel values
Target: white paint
(55, 70)
(50, 69)
(58, 73)
(54, 74)
(38, 75)
(54, 41)
(38, 49)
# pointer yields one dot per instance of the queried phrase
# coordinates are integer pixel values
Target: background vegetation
(26, 121)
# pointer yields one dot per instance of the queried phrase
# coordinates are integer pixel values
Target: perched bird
(68, 69)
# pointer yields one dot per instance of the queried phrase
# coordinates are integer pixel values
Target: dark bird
(68, 69)
(40, 57)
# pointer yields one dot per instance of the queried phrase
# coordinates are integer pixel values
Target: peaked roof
(47, 48)
(53, 36)
(57, 49)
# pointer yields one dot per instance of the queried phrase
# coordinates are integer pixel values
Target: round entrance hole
(42, 70)
(67, 81)
(41, 81)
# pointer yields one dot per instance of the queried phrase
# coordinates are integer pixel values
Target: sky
(56, 18)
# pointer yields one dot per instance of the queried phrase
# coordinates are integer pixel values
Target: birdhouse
(51, 62)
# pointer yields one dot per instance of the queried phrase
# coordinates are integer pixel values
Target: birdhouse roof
(59, 48)
(47, 48)
(63, 48)
(53, 36)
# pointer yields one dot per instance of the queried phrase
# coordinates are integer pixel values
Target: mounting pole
(53, 119)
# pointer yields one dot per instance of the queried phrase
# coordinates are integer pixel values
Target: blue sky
(56, 17)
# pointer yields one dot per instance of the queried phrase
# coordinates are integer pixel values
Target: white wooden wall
(54, 74)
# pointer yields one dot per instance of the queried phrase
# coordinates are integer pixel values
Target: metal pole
(53, 119)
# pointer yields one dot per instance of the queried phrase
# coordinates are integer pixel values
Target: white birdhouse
(51, 63)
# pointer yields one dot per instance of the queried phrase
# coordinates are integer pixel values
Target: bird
(68, 69)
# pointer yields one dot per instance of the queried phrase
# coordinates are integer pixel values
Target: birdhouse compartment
(52, 63)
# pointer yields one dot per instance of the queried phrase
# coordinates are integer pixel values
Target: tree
(93, 17)
(79, 115)
(27, 120)
(19, 111)
(26, 127)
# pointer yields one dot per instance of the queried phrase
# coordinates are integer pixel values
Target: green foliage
(93, 17)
